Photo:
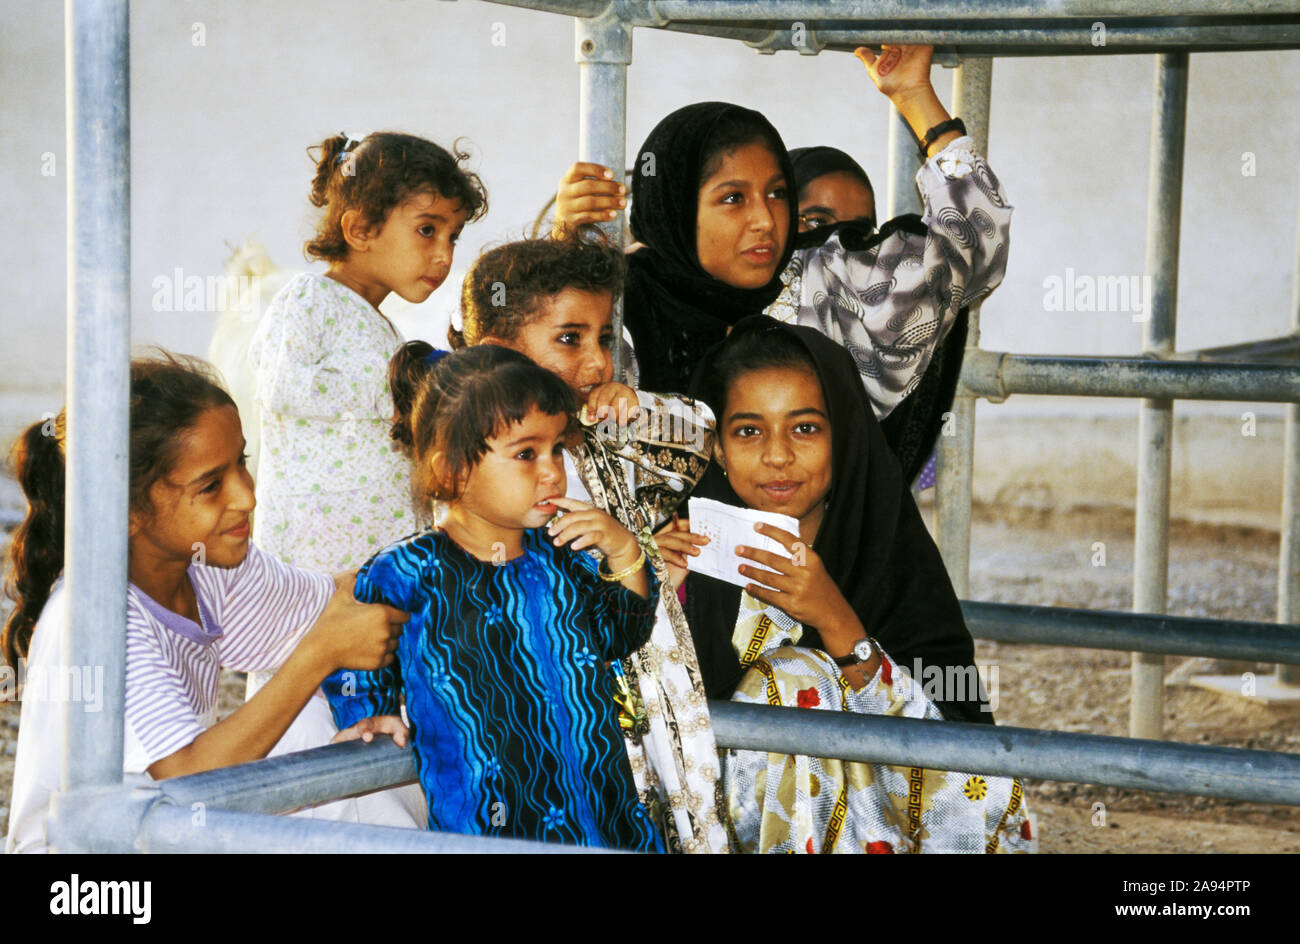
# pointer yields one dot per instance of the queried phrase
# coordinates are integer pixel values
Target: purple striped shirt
(251, 618)
(253, 615)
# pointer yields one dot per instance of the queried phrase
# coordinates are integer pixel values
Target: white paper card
(727, 526)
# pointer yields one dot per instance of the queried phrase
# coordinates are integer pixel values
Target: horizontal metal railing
(952, 41)
(291, 781)
(1161, 766)
(660, 13)
(937, 11)
(171, 829)
(326, 773)
(1284, 348)
(1155, 633)
(996, 375)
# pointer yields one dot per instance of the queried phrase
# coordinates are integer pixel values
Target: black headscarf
(872, 540)
(672, 307)
(813, 162)
(674, 310)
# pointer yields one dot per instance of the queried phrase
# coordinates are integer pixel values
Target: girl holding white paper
(862, 595)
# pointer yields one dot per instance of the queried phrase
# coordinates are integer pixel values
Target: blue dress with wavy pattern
(504, 667)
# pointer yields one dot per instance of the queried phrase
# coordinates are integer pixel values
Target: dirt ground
(1054, 559)
(1220, 572)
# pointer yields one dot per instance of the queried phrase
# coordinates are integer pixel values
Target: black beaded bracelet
(952, 124)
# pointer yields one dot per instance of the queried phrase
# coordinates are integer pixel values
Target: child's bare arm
(587, 526)
(347, 634)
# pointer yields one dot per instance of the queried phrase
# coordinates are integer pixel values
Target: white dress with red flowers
(782, 803)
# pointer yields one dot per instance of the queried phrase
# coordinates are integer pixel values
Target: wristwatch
(863, 650)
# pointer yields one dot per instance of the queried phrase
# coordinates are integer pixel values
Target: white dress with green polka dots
(332, 487)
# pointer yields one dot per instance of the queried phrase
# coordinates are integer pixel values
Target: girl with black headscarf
(863, 617)
(832, 188)
(713, 206)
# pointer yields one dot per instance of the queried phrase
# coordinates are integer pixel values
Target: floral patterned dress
(333, 488)
(639, 473)
(783, 803)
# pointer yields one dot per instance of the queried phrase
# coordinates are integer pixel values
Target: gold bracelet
(626, 571)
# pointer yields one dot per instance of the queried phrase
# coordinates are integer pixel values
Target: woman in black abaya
(861, 617)
(713, 206)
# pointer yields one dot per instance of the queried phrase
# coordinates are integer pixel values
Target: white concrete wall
(219, 133)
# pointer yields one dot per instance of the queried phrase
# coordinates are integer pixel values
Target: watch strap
(852, 658)
(952, 124)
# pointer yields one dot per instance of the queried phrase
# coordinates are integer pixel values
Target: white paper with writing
(727, 526)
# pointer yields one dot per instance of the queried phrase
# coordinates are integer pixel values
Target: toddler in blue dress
(504, 662)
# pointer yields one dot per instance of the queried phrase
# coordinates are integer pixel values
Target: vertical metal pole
(604, 51)
(971, 86)
(1288, 576)
(1155, 420)
(99, 350)
(904, 162)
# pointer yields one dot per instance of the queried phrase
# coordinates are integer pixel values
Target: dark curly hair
(168, 394)
(503, 288)
(406, 372)
(467, 398)
(376, 175)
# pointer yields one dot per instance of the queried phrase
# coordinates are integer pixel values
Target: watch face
(863, 650)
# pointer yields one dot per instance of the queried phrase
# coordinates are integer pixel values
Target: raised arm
(902, 73)
(891, 299)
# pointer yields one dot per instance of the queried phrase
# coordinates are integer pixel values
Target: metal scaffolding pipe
(1156, 416)
(1288, 565)
(192, 812)
(1284, 348)
(99, 354)
(936, 11)
(603, 48)
(1136, 632)
(1068, 39)
(904, 161)
(971, 93)
(997, 375)
(173, 829)
(1257, 776)
(577, 8)
(291, 781)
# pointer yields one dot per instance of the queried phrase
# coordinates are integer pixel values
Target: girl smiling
(862, 594)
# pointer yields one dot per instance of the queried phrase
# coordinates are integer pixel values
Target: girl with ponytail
(333, 489)
(36, 551)
(201, 597)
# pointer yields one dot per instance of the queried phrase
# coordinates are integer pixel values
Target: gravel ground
(1051, 559)
(1219, 572)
